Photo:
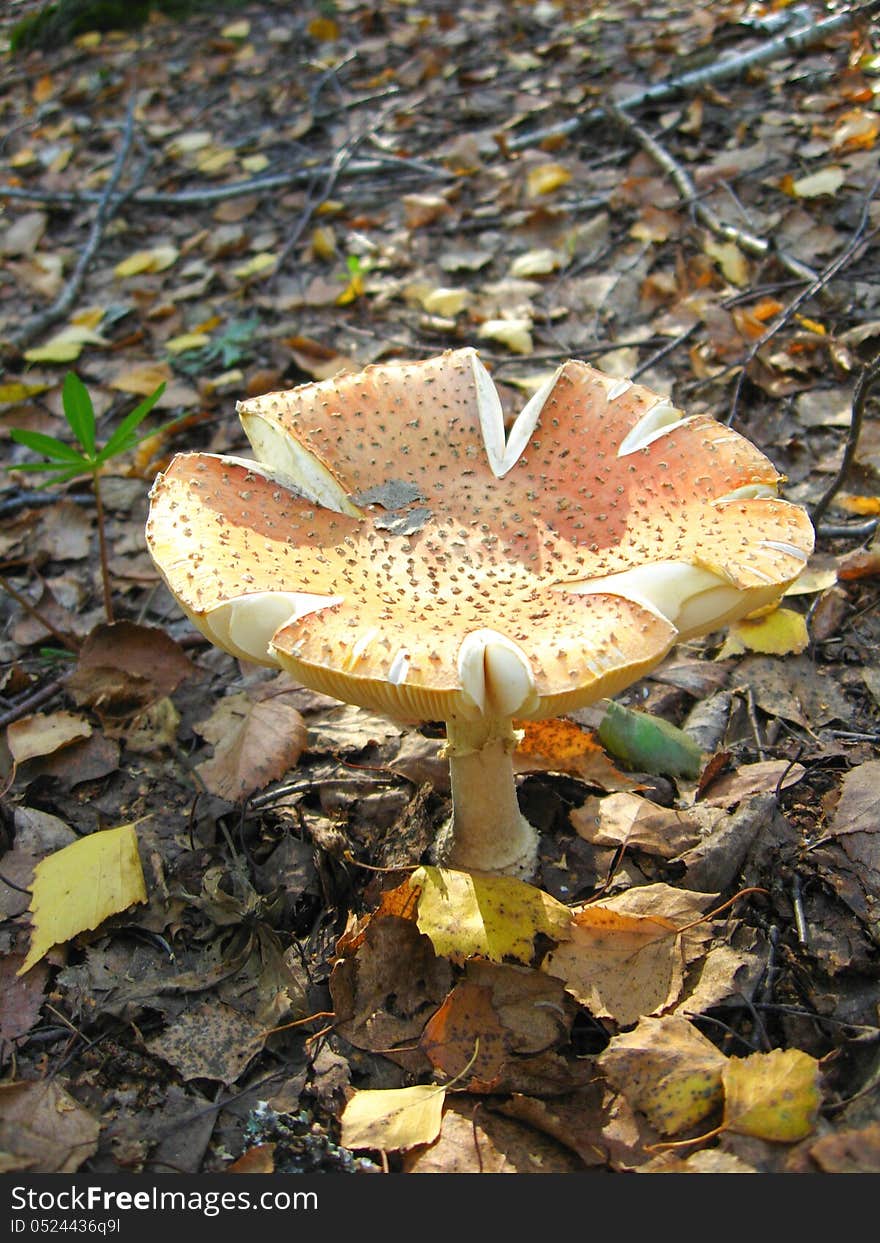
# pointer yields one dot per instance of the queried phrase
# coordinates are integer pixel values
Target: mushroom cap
(394, 546)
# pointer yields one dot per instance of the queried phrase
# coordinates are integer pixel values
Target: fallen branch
(866, 381)
(748, 242)
(234, 189)
(719, 71)
(107, 206)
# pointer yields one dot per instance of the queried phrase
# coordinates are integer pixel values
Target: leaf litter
(260, 928)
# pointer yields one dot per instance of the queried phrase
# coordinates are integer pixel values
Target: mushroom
(393, 545)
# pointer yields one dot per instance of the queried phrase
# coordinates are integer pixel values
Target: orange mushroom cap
(396, 547)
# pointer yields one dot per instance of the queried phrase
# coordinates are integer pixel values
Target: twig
(66, 640)
(750, 243)
(107, 205)
(719, 71)
(234, 189)
(859, 239)
(866, 381)
(31, 702)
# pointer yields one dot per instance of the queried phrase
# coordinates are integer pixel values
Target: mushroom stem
(489, 832)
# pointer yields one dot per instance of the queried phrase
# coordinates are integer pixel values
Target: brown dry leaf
(560, 746)
(43, 1129)
(44, 733)
(394, 1118)
(667, 1069)
(772, 1095)
(386, 988)
(854, 1151)
(123, 667)
(858, 810)
(466, 1037)
(142, 379)
(762, 777)
(212, 1041)
(474, 1140)
(257, 1160)
(255, 742)
(21, 996)
(625, 819)
(624, 957)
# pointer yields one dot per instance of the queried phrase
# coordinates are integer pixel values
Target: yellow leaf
(730, 260)
(78, 887)
(393, 1118)
(812, 325)
(514, 333)
(537, 263)
(782, 632)
(825, 181)
(255, 163)
(88, 317)
(65, 346)
(772, 1095)
(668, 1070)
(323, 242)
(155, 260)
(214, 159)
(354, 289)
(188, 142)
(187, 341)
(445, 301)
(17, 391)
(494, 917)
(143, 379)
(545, 178)
(237, 30)
(323, 28)
(263, 261)
(858, 504)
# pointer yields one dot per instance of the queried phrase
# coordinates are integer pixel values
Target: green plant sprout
(65, 462)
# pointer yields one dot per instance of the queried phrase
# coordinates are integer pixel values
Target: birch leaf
(772, 1095)
(393, 1118)
(75, 889)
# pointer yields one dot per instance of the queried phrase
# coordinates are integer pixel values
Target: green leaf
(79, 411)
(649, 744)
(122, 439)
(49, 446)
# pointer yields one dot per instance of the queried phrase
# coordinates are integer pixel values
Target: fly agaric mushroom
(394, 546)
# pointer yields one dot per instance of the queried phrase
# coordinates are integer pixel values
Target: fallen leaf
(42, 733)
(562, 746)
(814, 185)
(516, 334)
(255, 742)
(730, 260)
(545, 178)
(43, 1129)
(475, 1141)
(625, 819)
(65, 346)
(667, 1069)
(773, 1095)
(155, 260)
(782, 632)
(75, 889)
(124, 667)
(537, 263)
(393, 1118)
(212, 1041)
(257, 1160)
(495, 917)
(466, 1037)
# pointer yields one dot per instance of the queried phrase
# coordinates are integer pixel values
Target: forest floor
(241, 202)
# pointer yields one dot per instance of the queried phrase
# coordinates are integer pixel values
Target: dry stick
(314, 197)
(729, 67)
(867, 379)
(37, 324)
(748, 242)
(66, 640)
(31, 702)
(236, 189)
